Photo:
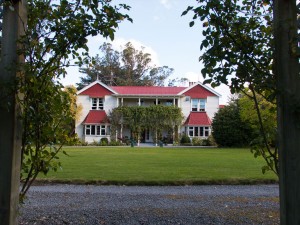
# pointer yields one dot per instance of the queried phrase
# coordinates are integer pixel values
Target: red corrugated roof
(221, 106)
(198, 118)
(147, 90)
(199, 92)
(95, 117)
(96, 91)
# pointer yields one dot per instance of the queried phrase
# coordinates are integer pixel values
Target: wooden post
(287, 72)
(10, 125)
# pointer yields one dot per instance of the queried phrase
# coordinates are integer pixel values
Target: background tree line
(128, 67)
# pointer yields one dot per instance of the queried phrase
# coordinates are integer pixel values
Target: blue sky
(159, 27)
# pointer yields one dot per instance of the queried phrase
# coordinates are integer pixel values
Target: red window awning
(198, 118)
(96, 117)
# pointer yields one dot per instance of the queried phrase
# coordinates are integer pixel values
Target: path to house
(88, 204)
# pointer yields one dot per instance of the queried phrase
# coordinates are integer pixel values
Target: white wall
(110, 102)
(212, 106)
(185, 104)
(84, 101)
(91, 139)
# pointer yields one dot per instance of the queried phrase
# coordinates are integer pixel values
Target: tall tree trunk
(10, 125)
(287, 72)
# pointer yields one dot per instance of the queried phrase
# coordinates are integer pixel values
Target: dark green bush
(228, 128)
(104, 142)
(185, 139)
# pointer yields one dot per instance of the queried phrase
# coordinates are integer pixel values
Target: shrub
(211, 141)
(228, 128)
(185, 139)
(115, 143)
(197, 141)
(205, 142)
(94, 143)
(104, 142)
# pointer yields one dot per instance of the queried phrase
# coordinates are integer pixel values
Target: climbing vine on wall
(155, 118)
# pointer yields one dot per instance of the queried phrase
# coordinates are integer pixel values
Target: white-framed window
(97, 103)
(97, 130)
(198, 104)
(199, 131)
(169, 102)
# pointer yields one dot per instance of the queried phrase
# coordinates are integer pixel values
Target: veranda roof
(147, 90)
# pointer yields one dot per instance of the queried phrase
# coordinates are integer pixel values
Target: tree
(238, 51)
(228, 129)
(286, 32)
(267, 121)
(244, 30)
(14, 14)
(47, 120)
(55, 37)
(103, 68)
(238, 44)
(129, 67)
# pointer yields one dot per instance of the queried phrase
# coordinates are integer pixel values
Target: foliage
(196, 141)
(75, 109)
(180, 82)
(47, 121)
(104, 141)
(238, 50)
(264, 142)
(55, 37)
(238, 41)
(185, 139)
(228, 129)
(129, 67)
(115, 143)
(137, 118)
(211, 140)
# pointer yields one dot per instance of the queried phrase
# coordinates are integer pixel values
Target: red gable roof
(147, 90)
(96, 91)
(198, 92)
(198, 118)
(95, 117)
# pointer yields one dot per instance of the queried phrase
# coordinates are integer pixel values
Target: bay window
(97, 130)
(199, 131)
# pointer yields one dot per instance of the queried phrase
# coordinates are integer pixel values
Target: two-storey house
(198, 103)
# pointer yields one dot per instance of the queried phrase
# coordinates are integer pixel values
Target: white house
(198, 102)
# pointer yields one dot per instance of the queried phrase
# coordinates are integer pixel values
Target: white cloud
(193, 77)
(119, 43)
(166, 3)
(225, 92)
(156, 18)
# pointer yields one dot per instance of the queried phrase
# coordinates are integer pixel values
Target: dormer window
(97, 103)
(198, 105)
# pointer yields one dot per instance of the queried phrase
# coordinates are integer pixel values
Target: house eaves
(202, 85)
(96, 82)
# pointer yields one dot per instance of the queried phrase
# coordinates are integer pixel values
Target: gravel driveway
(88, 204)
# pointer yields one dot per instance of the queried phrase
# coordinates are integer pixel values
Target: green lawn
(159, 166)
